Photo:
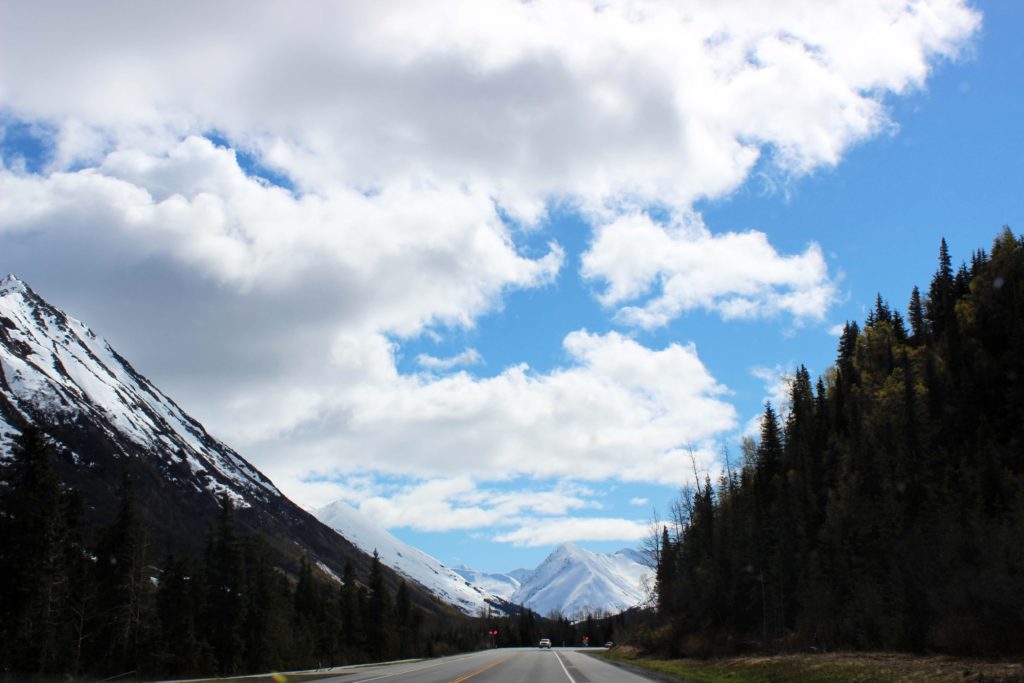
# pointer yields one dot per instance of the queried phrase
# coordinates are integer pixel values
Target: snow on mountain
(573, 581)
(410, 562)
(55, 370)
(502, 585)
(519, 575)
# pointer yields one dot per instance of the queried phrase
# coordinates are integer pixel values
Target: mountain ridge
(444, 582)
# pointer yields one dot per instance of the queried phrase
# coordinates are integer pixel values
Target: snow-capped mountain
(502, 585)
(410, 562)
(106, 419)
(573, 581)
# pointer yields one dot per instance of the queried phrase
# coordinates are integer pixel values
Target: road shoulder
(636, 669)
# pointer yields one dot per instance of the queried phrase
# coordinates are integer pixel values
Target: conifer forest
(102, 607)
(883, 507)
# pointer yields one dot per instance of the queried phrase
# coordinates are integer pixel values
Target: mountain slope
(410, 562)
(502, 585)
(573, 581)
(107, 419)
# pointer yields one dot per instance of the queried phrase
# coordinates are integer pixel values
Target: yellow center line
(479, 671)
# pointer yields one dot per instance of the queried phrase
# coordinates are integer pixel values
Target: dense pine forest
(883, 507)
(71, 607)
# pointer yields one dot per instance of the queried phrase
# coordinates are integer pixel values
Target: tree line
(884, 507)
(69, 607)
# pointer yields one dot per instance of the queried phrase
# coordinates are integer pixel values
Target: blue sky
(492, 279)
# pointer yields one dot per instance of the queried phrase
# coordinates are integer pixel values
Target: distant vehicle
(545, 642)
(608, 644)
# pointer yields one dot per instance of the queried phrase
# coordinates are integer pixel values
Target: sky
(500, 274)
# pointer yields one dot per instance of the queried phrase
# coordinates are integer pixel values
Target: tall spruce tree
(377, 619)
(225, 606)
(34, 559)
(125, 590)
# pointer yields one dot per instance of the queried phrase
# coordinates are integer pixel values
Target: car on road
(608, 644)
(545, 642)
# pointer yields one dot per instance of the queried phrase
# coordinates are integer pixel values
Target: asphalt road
(507, 665)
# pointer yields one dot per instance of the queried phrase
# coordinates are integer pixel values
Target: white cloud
(397, 261)
(548, 531)
(618, 410)
(467, 357)
(639, 501)
(409, 131)
(461, 503)
(737, 275)
(600, 102)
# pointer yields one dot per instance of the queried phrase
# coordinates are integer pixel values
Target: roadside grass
(827, 668)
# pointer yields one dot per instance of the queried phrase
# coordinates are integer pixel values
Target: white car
(545, 643)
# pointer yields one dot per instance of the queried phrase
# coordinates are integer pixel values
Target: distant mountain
(105, 419)
(502, 585)
(445, 583)
(573, 581)
(519, 574)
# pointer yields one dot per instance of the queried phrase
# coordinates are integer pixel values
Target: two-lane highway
(508, 665)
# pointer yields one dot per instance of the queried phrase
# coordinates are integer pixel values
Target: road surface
(506, 665)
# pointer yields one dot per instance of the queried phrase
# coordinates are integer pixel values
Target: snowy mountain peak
(12, 283)
(567, 550)
(412, 563)
(573, 581)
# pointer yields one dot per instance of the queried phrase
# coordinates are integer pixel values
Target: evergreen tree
(125, 590)
(939, 310)
(225, 606)
(179, 607)
(34, 559)
(666, 573)
(406, 622)
(918, 329)
(377, 618)
(270, 641)
(353, 640)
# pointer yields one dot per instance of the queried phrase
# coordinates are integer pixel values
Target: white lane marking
(559, 658)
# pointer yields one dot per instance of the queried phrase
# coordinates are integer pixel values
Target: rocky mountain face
(106, 420)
